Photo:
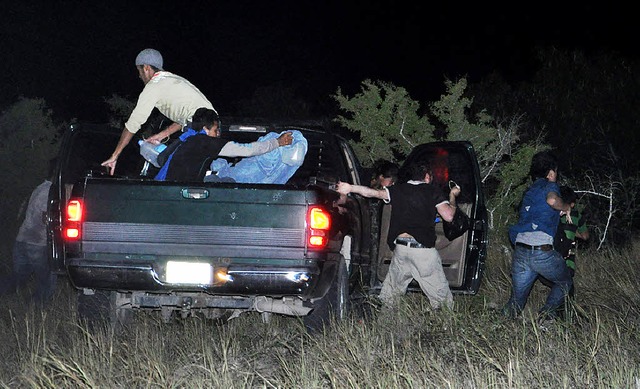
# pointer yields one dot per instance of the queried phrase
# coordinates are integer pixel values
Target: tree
(30, 139)
(385, 121)
(387, 124)
(586, 106)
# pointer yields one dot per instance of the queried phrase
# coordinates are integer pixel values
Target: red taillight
(74, 211)
(74, 219)
(318, 222)
(72, 233)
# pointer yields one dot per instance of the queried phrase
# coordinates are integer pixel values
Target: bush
(30, 139)
(387, 123)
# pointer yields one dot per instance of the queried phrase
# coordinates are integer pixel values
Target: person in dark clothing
(412, 234)
(568, 231)
(187, 158)
(385, 174)
(30, 257)
(564, 241)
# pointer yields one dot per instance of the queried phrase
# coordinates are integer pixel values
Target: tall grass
(410, 346)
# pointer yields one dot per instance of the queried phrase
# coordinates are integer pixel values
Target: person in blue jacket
(533, 236)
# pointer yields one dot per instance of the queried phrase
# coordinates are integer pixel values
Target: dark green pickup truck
(130, 243)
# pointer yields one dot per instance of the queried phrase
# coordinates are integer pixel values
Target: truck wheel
(94, 308)
(121, 314)
(103, 308)
(335, 305)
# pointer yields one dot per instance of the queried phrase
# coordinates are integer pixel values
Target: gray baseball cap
(149, 57)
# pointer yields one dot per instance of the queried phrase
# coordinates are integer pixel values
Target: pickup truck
(129, 243)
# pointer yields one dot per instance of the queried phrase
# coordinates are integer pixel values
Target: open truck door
(463, 258)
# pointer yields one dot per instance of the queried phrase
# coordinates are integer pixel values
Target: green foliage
(513, 180)
(385, 119)
(589, 104)
(388, 125)
(120, 109)
(30, 139)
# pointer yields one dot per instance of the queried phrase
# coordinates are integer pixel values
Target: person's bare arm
(447, 211)
(583, 235)
(167, 132)
(555, 202)
(125, 138)
(233, 149)
(345, 188)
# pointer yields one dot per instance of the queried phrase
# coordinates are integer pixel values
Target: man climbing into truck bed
(172, 95)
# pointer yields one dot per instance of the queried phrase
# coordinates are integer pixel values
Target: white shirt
(174, 96)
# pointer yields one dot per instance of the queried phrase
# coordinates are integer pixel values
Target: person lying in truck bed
(186, 158)
(274, 167)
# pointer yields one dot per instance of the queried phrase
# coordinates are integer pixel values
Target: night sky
(75, 53)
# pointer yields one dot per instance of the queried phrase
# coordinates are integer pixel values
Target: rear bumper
(308, 281)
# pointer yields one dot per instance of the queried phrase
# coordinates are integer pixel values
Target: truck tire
(101, 309)
(93, 308)
(335, 304)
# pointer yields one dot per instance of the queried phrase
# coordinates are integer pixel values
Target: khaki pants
(425, 266)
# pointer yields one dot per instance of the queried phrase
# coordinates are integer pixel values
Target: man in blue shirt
(532, 236)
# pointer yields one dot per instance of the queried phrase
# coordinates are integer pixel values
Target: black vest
(192, 158)
(414, 212)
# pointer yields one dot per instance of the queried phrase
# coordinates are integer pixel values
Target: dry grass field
(473, 346)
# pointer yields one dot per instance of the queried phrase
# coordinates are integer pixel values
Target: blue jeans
(30, 259)
(527, 265)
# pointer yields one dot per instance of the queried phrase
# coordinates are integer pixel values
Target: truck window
(450, 164)
(89, 148)
(323, 164)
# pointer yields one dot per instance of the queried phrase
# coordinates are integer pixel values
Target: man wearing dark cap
(175, 97)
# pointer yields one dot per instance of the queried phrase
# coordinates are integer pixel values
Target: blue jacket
(162, 174)
(535, 213)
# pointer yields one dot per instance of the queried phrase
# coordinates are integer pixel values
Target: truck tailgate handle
(195, 193)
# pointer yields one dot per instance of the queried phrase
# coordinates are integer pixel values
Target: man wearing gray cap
(175, 97)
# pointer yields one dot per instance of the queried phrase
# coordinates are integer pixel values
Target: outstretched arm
(233, 149)
(167, 132)
(345, 188)
(555, 202)
(125, 138)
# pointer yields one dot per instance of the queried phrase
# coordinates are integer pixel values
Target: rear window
(91, 146)
(453, 163)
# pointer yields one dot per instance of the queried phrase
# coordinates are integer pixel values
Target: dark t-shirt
(565, 238)
(414, 211)
(187, 163)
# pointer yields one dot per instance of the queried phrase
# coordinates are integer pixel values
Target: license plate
(193, 273)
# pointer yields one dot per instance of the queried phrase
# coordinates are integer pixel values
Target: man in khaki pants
(412, 234)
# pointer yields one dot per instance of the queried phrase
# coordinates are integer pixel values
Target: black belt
(410, 243)
(544, 247)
